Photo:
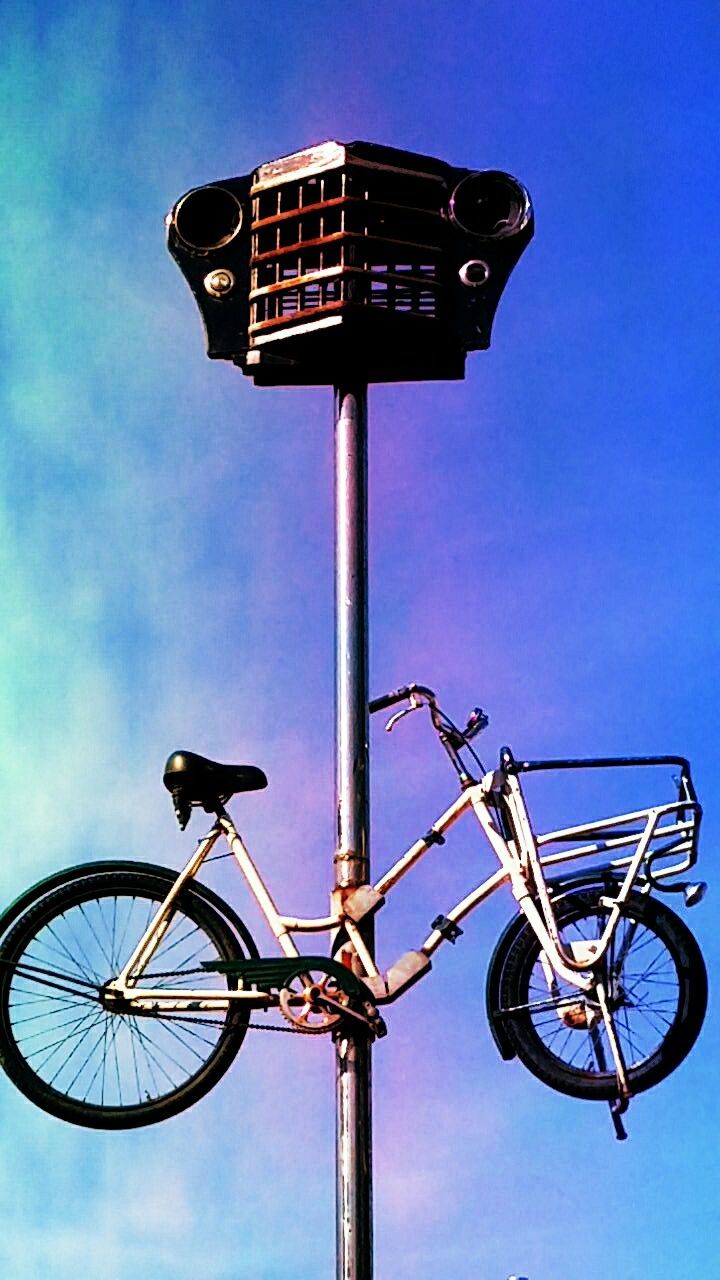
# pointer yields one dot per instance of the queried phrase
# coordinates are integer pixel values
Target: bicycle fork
(578, 1014)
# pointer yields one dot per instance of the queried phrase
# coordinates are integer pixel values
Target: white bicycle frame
(666, 833)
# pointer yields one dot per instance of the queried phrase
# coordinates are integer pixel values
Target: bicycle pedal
(375, 1021)
(371, 1018)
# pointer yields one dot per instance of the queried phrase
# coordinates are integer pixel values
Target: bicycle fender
(166, 875)
(559, 888)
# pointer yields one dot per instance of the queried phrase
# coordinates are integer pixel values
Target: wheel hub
(580, 1016)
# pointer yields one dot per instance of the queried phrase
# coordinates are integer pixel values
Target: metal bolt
(219, 282)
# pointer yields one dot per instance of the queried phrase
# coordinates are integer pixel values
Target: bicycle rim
(656, 980)
(85, 1062)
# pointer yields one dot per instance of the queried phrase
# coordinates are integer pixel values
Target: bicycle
(126, 988)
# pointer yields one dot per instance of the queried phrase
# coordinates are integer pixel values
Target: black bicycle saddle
(194, 780)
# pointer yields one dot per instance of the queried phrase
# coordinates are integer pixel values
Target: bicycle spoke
(113, 952)
(103, 1059)
(144, 1042)
(42, 962)
(173, 1020)
(33, 1017)
(55, 1045)
(644, 989)
(86, 972)
(662, 1023)
(104, 1064)
(106, 957)
(134, 1057)
(175, 1032)
(136, 1038)
(60, 1026)
(623, 1027)
(580, 1045)
(84, 1062)
(165, 949)
(121, 942)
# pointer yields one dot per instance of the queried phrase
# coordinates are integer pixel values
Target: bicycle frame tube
(155, 931)
(522, 866)
(421, 846)
(257, 886)
(125, 984)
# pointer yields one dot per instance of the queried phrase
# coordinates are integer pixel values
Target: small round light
(474, 273)
(220, 282)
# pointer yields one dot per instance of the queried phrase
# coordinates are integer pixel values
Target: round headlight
(490, 205)
(207, 217)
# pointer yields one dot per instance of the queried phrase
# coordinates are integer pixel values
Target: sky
(543, 542)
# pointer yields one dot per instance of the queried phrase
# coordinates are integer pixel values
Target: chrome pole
(352, 1048)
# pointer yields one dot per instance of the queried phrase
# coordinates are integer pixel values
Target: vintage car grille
(343, 235)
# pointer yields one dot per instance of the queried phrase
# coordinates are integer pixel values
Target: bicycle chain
(267, 1026)
(251, 1026)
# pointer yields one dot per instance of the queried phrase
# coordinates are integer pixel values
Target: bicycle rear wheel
(656, 982)
(83, 1061)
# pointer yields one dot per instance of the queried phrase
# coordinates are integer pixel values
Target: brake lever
(399, 715)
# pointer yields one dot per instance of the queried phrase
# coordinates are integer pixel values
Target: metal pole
(353, 1062)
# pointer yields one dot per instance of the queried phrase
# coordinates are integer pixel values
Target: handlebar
(399, 695)
(452, 739)
(420, 695)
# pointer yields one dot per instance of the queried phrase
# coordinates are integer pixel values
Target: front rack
(671, 829)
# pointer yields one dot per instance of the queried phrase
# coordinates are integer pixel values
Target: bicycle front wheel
(75, 1055)
(655, 980)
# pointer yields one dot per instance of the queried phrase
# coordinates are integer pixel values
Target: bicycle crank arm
(370, 1019)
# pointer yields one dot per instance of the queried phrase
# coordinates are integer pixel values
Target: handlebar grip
(389, 699)
(399, 695)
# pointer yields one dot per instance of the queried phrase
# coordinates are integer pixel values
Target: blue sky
(543, 542)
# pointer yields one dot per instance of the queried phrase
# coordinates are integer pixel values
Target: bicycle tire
(656, 1029)
(120, 1071)
(166, 875)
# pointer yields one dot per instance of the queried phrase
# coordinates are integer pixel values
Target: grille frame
(348, 260)
(335, 234)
